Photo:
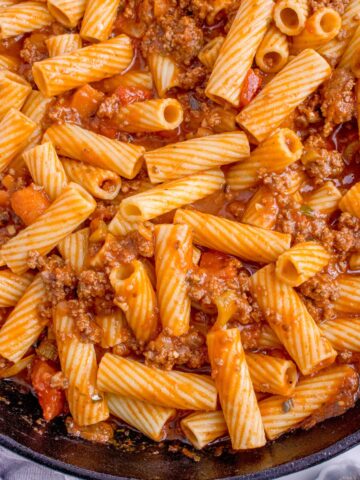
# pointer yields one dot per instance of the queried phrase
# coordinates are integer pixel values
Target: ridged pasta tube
(103, 184)
(348, 300)
(236, 392)
(324, 199)
(63, 44)
(290, 16)
(320, 28)
(98, 19)
(150, 116)
(74, 204)
(301, 262)
(273, 51)
(186, 391)
(24, 325)
(290, 320)
(238, 51)
(281, 414)
(148, 419)
(164, 71)
(274, 154)
(22, 18)
(298, 79)
(173, 260)
(67, 12)
(14, 90)
(245, 241)
(83, 408)
(168, 196)
(185, 158)
(343, 333)
(46, 169)
(209, 53)
(97, 150)
(350, 202)
(262, 209)
(59, 74)
(201, 428)
(12, 287)
(74, 248)
(136, 298)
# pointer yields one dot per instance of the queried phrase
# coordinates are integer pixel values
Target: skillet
(134, 457)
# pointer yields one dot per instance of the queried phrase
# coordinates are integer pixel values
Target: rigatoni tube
(186, 391)
(238, 51)
(343, 333)
(150, 116)
(290, 320)
(14, 90)
(280, 414)
(298, 79)
(164, 71)
(46, 169)
(74, 248)
(63, 44)
(348, 300)
(236, 392)
(103, 184)
(290, 16)
(185, 158)
(201, 428)
(89, 64)
(350, 202)
(301, 262)
(274, 154)
(168, 196)
(67, 12)
(12, 287)
(135, 296)
(325, 199)
(273, 52)
(74, 204)
(173, 260)
(22, 18)
(147, 418)
(245, 241)
(97, 150)
(24, 324)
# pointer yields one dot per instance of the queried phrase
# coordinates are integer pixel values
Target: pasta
(186, 391)
(12, 287)
(63, 44)
(348, 300)
(173, 259)
(48, 230)
(238, 51)
(202, 428)
(298, 79)
(245, 241)
(342, 333)
(237, 397)
(291, 322)
(310, 394)
(210, 52)
(74, 248)
(179, 159)
(85, 65)
(98, 19)
(23, 17)
(261, 210)
(273, 52)
(164, 71)
(324, 199)
(150, 116)
(168, 196)
(97, 150)
(301, 262)
(350, 202)
(13, 92)
(46, 169)
(67, 12)
(113, 326)
(290, 16)
(101, 183)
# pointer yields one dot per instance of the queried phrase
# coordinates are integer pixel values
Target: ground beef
(10, 224)
(338, 99)
(128, 344)
(189, 78)
(338, 5)
(95, 291)
(176, 36)
(85, 324)
(321, 163)
(102, 432)
(60, 112)
(219, 274)
(34, 49)
(344, 399)
(166, 351)
(109, 106)
(280, 183)
(319, 293)
(308, 113)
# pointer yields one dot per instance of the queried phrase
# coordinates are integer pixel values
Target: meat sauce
(93, 107)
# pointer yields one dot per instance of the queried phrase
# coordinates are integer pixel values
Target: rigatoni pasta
(273, 51)
(290, 16)
(74, 248)
(23, 17)
(12, 287)
(63, 44)
(202, 428)
(67, 12)
(348, 299)
(98, 19)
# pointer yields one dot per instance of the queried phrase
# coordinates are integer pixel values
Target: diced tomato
(51, 399)
(4, 198)
(250, 88)
(86, 100)
(216, 263)
(129, 95)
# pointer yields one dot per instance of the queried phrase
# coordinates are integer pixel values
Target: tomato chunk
(51, 399)
(86, 100)
(250, 88)
(129, 95)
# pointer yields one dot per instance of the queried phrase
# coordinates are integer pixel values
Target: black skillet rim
(295, 466)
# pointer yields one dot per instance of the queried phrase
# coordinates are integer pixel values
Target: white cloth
(343, 467)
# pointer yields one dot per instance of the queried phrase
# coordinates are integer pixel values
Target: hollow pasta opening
(124, 271)
(108, 185)
(172, 114)
(191, 437)
(59, 15)
(289, 18)
(289, 270)
(329, 22)
(291, 375)
(131, 210)
(292, 143)
(271, 59)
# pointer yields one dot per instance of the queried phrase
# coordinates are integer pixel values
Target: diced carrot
(51, 399)
(250, 88)
(29, 203)
(86, 100)
(4, 198)
(8, 181)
